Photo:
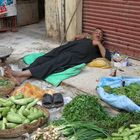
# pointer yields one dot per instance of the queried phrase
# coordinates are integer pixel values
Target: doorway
(41, 9)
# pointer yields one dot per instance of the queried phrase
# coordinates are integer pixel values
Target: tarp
(118, 101)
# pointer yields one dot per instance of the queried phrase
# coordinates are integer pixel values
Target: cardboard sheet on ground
(56, 78)
(118, 101)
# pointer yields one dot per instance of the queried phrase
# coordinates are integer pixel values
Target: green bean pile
(132, 91)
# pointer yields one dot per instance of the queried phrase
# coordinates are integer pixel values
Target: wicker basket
(5, 90)
(26, 128)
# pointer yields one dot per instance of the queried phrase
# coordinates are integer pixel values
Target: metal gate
(120, 19)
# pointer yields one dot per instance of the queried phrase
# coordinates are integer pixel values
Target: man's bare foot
(8, 74)
(7, 71)
(21, 79)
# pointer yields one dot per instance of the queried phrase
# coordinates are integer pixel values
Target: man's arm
(84, 35)
(100, 46)
(104, 52)
(102, 49)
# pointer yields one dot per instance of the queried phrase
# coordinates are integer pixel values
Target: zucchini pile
(18, 110)
(85, 119)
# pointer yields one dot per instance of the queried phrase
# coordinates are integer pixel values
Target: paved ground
(32, 39)
(28, 39)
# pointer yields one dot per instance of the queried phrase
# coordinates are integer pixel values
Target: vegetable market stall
(85, 119)
(6, 86)
(19, 115)
(120, 92)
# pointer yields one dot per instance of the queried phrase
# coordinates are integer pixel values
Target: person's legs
(40, 60)
(41, 71)
(21, 79)
(8, 70)
(57, 64)
(17, 77)
(48, 56)
(25, 73)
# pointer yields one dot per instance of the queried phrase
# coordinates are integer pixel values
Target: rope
(70, 21)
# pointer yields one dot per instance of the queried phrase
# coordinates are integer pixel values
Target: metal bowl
(5, 51)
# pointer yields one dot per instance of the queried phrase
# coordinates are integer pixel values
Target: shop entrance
(41, 9)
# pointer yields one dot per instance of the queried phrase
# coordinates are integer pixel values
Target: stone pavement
(32, 39)
(28, 39)
(88, 79)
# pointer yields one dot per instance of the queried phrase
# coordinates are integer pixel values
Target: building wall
(58, 14)
(27, 12)
(119, 20)
(54, 19)
(73, 14)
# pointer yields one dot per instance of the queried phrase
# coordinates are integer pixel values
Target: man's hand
(100, 46)
(77, 37)
(82, 36)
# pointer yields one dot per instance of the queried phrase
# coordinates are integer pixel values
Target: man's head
(97, 34)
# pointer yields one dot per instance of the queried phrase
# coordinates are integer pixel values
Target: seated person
(80, 50)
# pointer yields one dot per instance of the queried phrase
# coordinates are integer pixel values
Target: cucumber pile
(18, 110)
(125, 133)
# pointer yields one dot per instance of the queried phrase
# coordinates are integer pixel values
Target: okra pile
(18, 110)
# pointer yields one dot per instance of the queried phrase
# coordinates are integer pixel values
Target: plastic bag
(118, 101)
(29, 90)
(100, 63)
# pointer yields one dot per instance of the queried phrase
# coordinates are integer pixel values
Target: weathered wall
(58, 14)
(76, 24)
(54, 18)
(27, 12)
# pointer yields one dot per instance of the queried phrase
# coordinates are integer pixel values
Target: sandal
(47, 100)
(58, 100)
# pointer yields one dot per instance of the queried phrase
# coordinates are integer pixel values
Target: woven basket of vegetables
(20, 115)
(6, 86)
(25, 128)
